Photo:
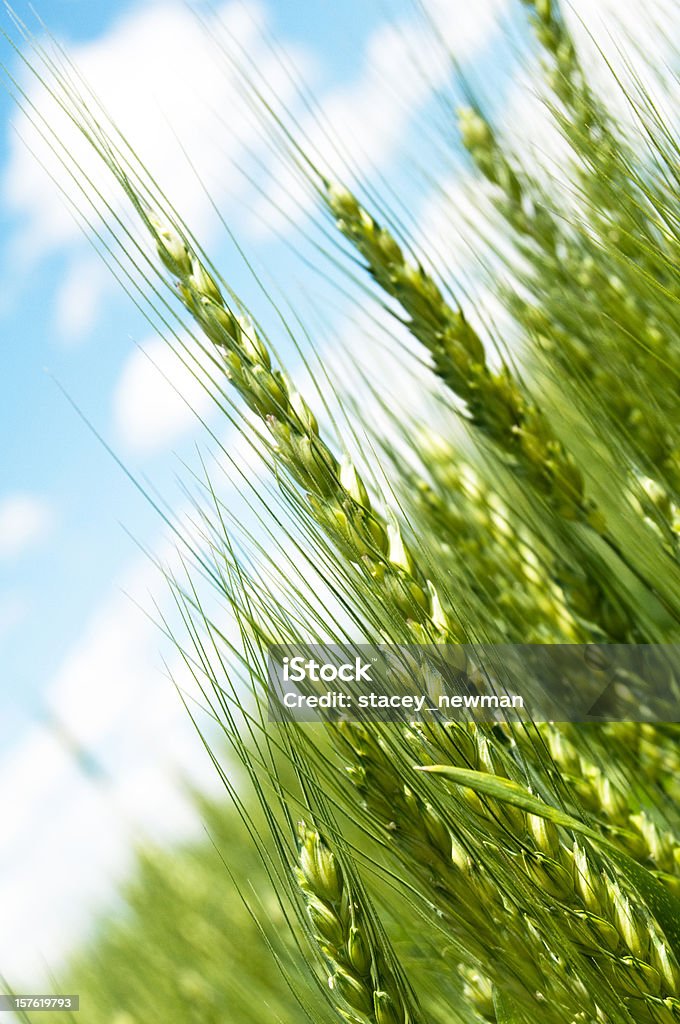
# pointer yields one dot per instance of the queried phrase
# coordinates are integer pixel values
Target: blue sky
(73, 647)
(54, 580)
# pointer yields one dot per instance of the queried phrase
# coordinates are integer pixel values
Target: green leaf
(663, 904)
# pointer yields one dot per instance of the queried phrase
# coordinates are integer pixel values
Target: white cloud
(29, 772)
(93, 688)
(25, 521)
(109, 703)
(77, 306)
(163, 81)
(154, 64)
(453, 223)
(158, 395)
(49, 885)
(356, 128)
(466, 27)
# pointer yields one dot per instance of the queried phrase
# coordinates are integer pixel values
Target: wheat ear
(477, 530)
(613, 360)
(495, 402)
(336, 493)
(602, 796)
(359, 974)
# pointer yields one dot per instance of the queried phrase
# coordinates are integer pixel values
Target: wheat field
(525, 492)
